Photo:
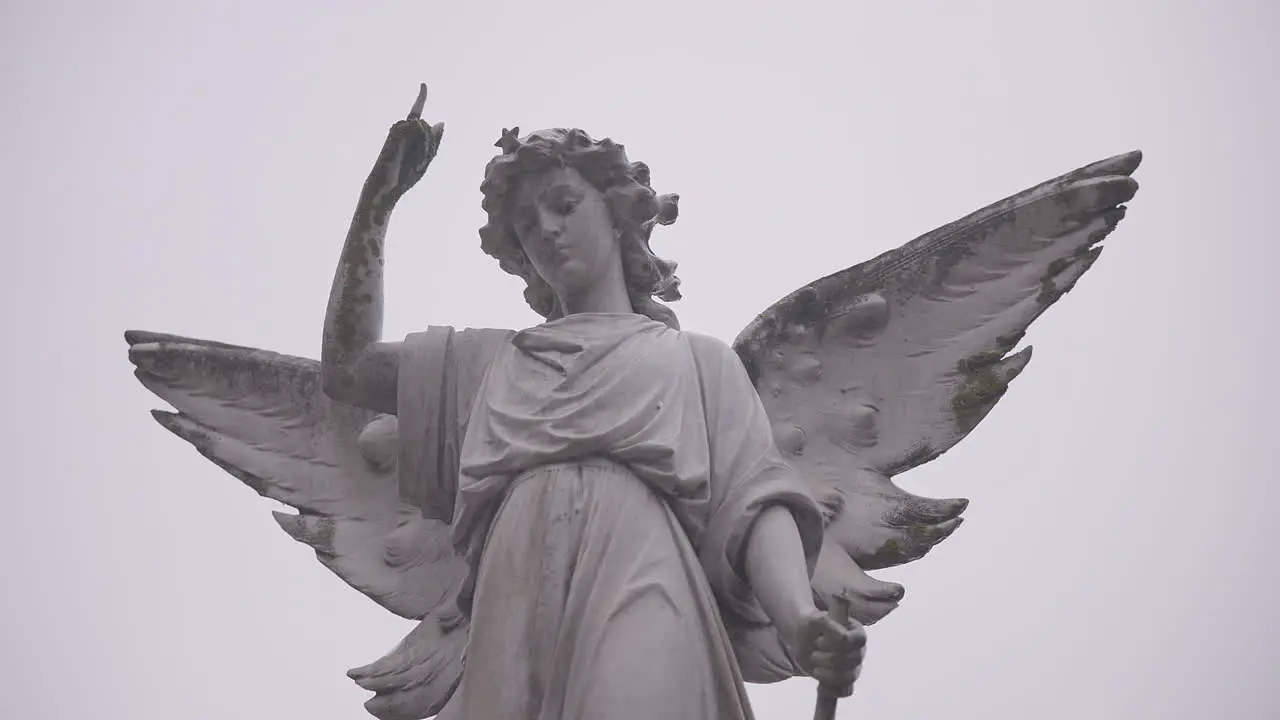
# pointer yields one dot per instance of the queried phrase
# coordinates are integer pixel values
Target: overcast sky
(192, 170)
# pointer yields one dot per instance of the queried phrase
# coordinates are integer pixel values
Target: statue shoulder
(708, 347)
(466, 351)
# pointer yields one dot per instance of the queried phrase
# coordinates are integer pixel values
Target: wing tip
(417, 678)
(168, 420)
(917, 511)
(1016, 363)
(142, 337)
(909, 544)
(1095, 195)
(945, 530)
(1133, 159)
(144, 355)
(291, 523)
(983, 379)
(1125, 163)
(315, 531)
(188, 429)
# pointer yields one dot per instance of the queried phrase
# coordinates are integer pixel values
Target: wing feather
(883, 366)
(419, 675)
(262, 417)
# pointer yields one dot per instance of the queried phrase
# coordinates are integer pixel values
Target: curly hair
(633, 205)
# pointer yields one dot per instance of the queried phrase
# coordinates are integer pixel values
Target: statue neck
(607, 295)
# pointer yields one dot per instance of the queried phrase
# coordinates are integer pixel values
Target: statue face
(566, 230)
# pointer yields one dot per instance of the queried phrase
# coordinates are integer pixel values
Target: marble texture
(559, 506)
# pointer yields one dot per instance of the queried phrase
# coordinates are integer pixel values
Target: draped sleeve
(441, 370)
(747, 475)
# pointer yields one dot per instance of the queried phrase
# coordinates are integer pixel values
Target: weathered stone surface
(522, 494)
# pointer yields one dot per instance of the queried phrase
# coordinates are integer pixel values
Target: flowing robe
(609, 473)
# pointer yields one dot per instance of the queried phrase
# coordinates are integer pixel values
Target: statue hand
(830, 652)
(410, 147)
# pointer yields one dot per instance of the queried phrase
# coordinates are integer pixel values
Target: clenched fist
(830, 652)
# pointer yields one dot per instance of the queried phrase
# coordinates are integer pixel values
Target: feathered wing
(263, 418)
(884, 366)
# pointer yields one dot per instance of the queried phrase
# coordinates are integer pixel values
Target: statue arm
(777, 571)
(765, 532)
(356, 367)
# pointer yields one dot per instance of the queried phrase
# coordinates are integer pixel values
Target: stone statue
(605, 515)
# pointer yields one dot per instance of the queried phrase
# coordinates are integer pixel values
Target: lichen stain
(982, 387)
(1049, 290)
(922, 454)
(321, 533)
(890, 547)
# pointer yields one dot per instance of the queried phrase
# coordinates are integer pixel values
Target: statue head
(613, 211)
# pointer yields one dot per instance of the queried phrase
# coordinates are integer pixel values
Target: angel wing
(263, 418)
(884, 366)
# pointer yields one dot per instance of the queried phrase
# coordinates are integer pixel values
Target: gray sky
(193, 170)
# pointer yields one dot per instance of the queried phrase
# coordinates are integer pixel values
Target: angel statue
(605, 515)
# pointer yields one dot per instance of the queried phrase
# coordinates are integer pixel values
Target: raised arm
(356, 367)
